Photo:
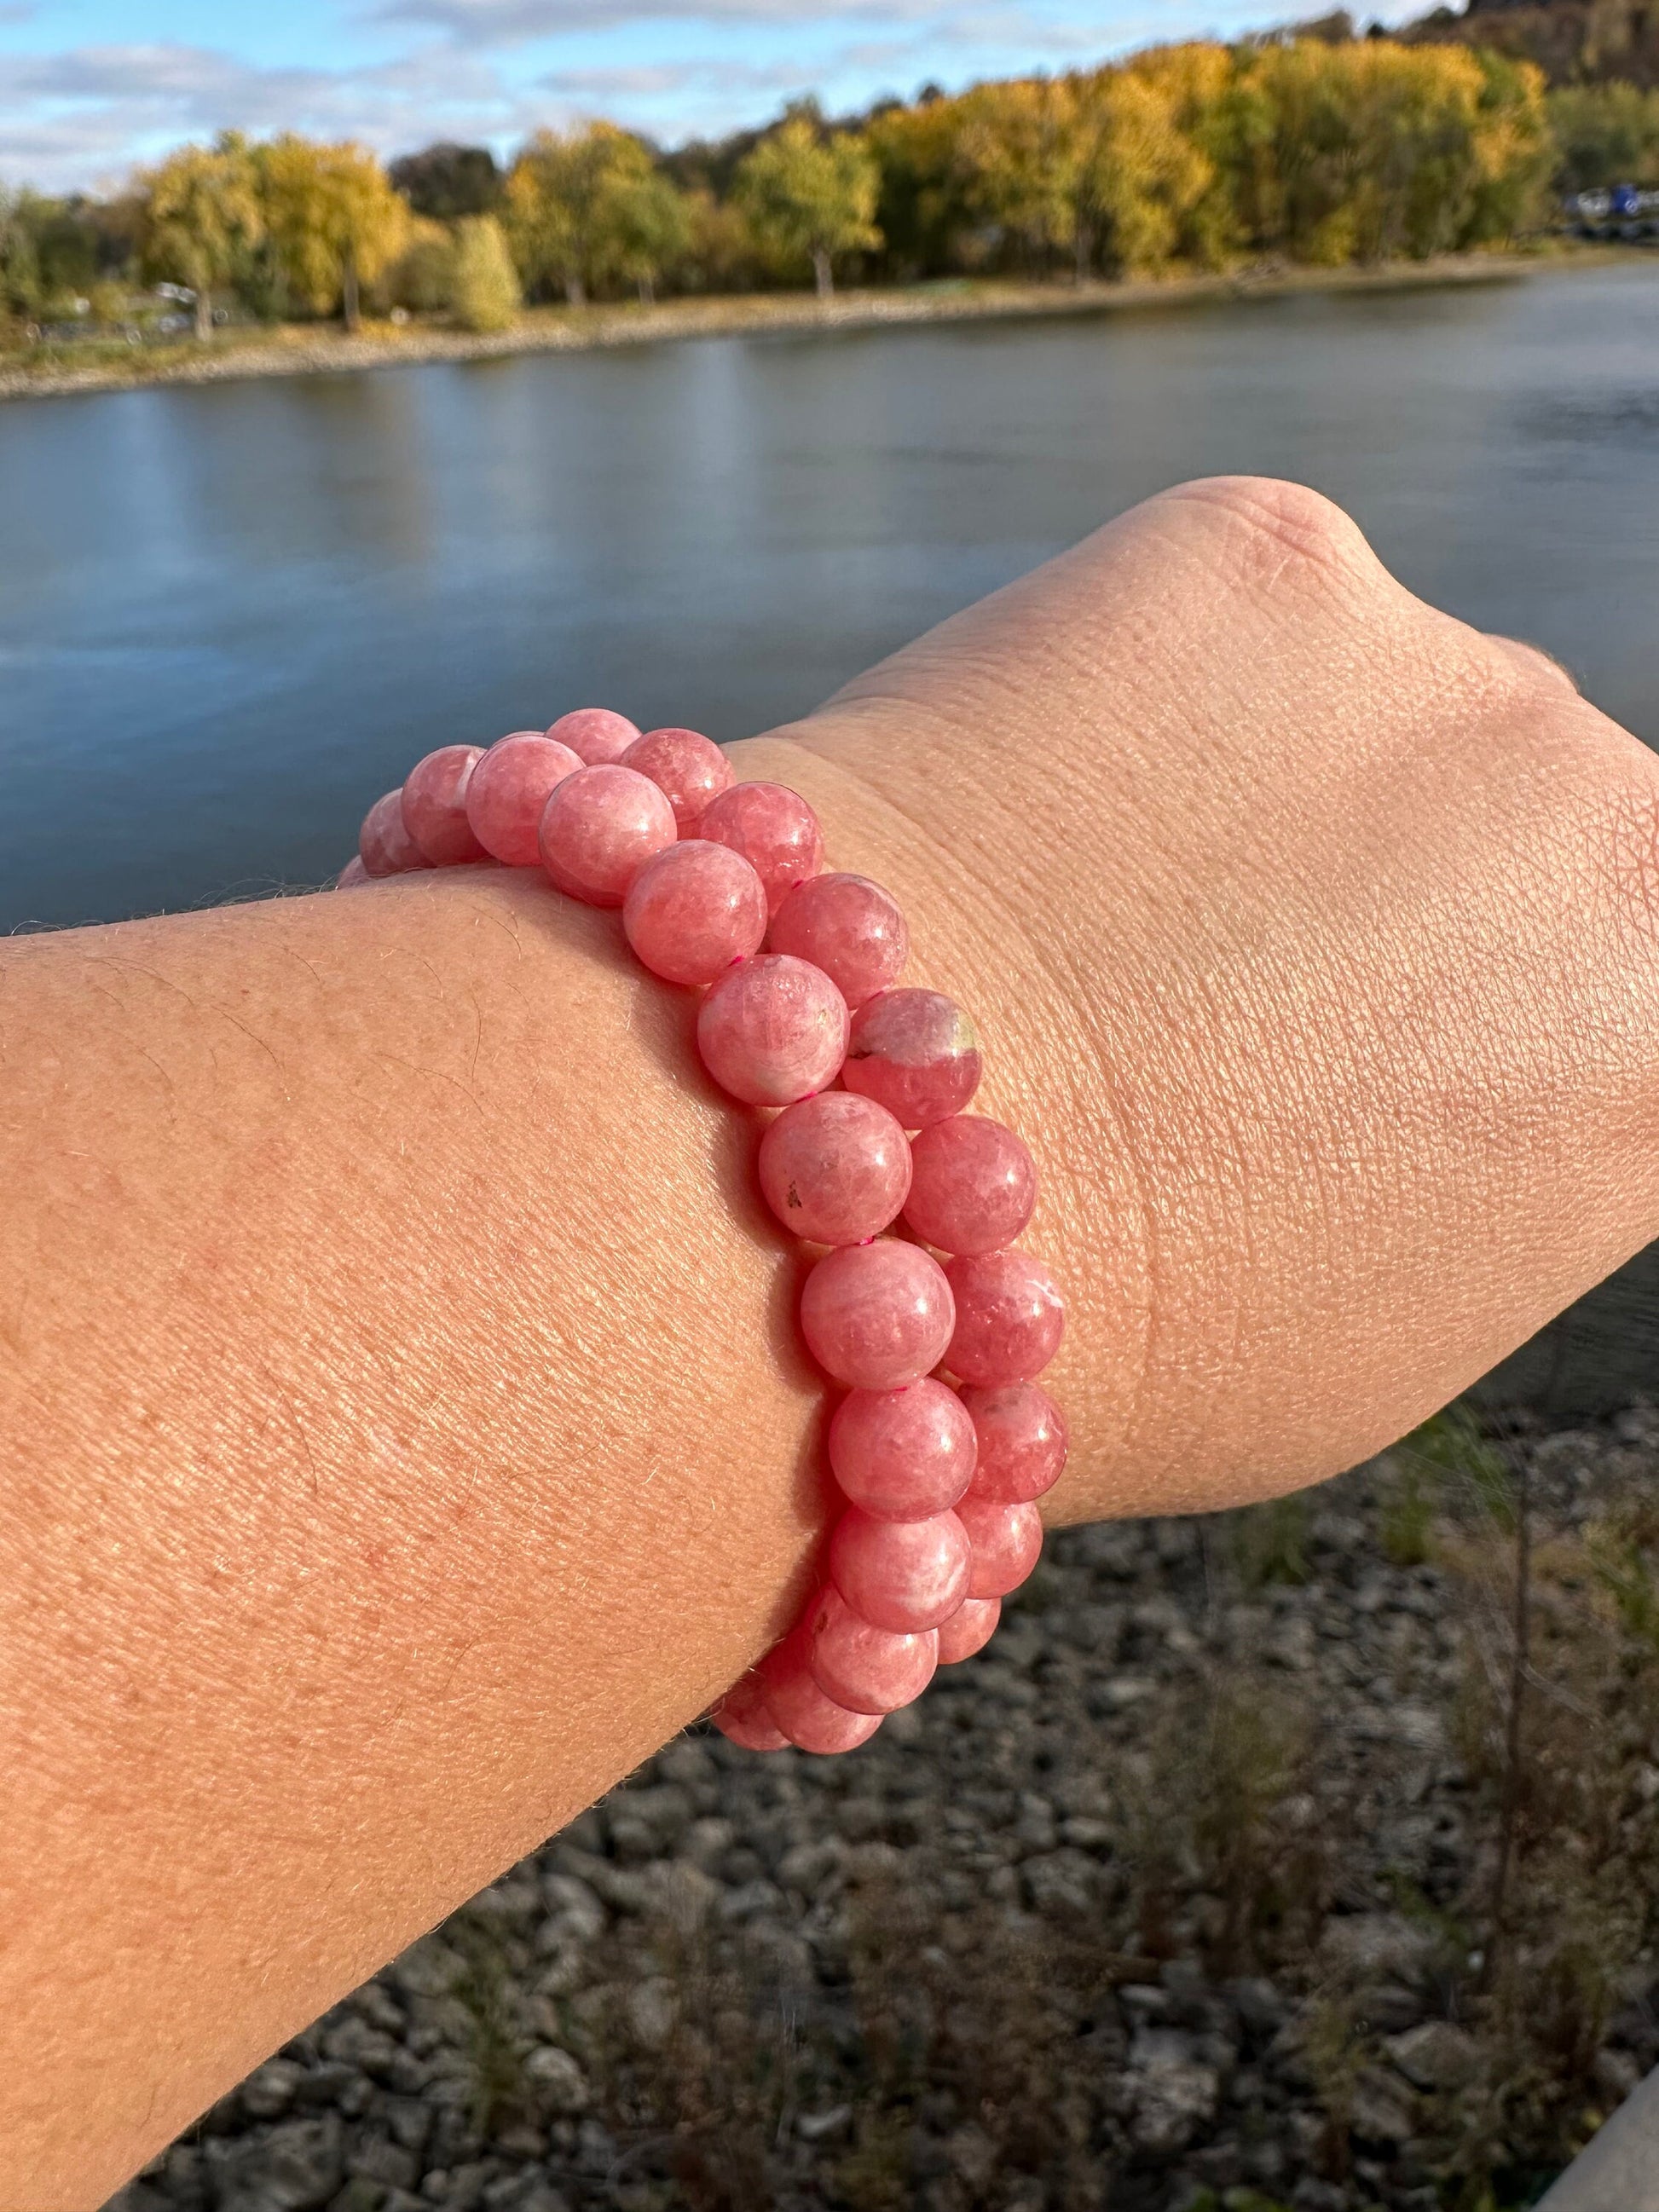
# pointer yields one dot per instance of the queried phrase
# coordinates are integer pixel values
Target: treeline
(1321, 148)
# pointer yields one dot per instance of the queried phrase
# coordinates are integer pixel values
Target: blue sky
(87, 87)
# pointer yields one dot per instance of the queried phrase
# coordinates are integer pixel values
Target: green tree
(484, 286)
(560, 193)
(1604, 134)
(202, 213)
(22, 290)
(334, 219)
(646, 224)
(809, 198)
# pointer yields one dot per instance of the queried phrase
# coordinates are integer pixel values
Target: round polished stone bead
(434, 806)
(688, 768)
(877, 1315)
(693, 910)
(1021, 1434)
(903, 1576)
(772, 1030)
(598, 829)
(903, 1455)
(1009, 1318)
(867, 1670)
(1005, 1541)
(973, 1186)
(509, 789)
(594, 734)
(916, 1052)
(970, 1629)
(773, 828)
(742, 1716)
(835, 1169)
(808, 1717)
(848, 927)
(353, 875)
(383, 846)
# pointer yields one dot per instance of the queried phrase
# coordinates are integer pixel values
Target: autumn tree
(809, 198)
(920, 210)
(1140, 179)
(204, 211)
(484, 286)
(334, 219)
(647, 223)
(1019, 153)
(586, 207)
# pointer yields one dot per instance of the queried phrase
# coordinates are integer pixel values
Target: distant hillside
(1573, 41)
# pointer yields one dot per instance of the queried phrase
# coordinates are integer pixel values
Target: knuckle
(1273, 529)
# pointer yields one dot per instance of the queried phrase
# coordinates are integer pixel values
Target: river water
(231, 615)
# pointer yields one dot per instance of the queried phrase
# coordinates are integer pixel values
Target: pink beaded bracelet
(938, 1521)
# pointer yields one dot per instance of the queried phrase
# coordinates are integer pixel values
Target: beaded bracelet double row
(938, 1478)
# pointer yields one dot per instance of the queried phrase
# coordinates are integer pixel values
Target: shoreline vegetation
(312, 348)
(1311, 156)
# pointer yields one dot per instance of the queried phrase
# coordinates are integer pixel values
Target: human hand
(1316, 939)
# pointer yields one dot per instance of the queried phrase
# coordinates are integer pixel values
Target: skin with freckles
(403, 1422)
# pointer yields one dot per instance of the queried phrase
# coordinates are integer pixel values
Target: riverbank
(299, 350)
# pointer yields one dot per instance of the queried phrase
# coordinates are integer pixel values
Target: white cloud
(70, 118)
(484, 23)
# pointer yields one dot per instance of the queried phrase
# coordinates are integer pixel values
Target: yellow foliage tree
(1019, 156)
(1140, 179)
(808, 198)
(334, 219)
(202, 214)
(587, 207)
(484, 286)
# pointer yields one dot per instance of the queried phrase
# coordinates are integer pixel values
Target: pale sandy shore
(302, 349)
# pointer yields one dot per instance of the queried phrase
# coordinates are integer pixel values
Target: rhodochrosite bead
(1009, 1318)
(435, 804)
(973, 1185)
(594, 734)
(688, 768)
(1005, 1541)
(1021, 1434)
(876, 1315)
(903, 1455)
(834, 1169)
(970, 1629)
(742, 1715)
(508, 789)
(693, 910)
(353, 874)
(598, 829)
(772, 1030)
(383, 846)
(904, 1576)
(867, 1670)
(849, 927)
(807, 1715)
(773, 828)
(916, 1053)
